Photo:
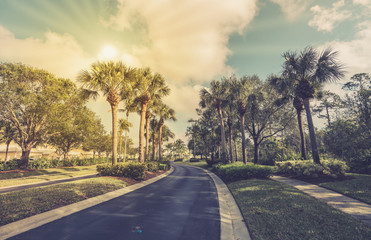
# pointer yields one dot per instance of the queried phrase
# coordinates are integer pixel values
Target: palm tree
(154, 130)
(111, 79)
(152, 86)
(124, 126)
(215, 97)
(285, 86)
(164, 112)
(310, 71)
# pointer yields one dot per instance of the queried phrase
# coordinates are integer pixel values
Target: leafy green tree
(164, 112)
(72, 130)
(124, 126)
(311, 70)
(266, 116)
(216, 97)
(329, 102)
(7, 133)
(29, 102)
(154, 132)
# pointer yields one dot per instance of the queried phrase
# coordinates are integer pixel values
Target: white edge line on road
(18, 227)
(232, 224)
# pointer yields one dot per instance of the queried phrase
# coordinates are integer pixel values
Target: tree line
(37, 108)
(268, 114)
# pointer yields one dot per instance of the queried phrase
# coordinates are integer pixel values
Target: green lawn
(18, 178)
(25, 203)
(201, 164)
(359, 187)
(274, 210)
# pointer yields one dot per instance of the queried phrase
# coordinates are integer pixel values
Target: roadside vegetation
(33, 201)
(274, 210)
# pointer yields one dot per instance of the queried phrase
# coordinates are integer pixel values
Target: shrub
(210, 162)
(194, 160)
(309, 169)
(240, 171)
(163, 167)
(40, 163)
(178, 160)
(133, 170)
(10, 165)
(152, 166)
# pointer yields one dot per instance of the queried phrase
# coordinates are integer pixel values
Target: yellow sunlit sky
(189, 42)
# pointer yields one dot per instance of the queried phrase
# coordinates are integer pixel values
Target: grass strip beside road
(14, 178)
(274, 210)
(25, 203)
(358, 188)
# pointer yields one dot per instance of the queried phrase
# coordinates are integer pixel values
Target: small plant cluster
(194, 160)
(134, 170)
(308, 169)
(43, 163)
(239, 171)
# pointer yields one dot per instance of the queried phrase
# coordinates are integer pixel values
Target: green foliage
(178, 160)
(194, 160)
(275, 150)
(210, 162)
(152, 166)
(133, 170)
(10, 165)
(239, 171)
(308, 169)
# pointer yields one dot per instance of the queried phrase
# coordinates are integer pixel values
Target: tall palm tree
(124, 126)
(154, 130)
(215, 97)
(286, 86)
(111, 79)
(311, 70)
(164, 112)
(152, 86)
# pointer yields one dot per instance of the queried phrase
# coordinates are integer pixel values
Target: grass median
(25, 203)
(273, 210)
(18, 177)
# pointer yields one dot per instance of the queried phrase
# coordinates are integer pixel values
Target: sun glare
(108, 52)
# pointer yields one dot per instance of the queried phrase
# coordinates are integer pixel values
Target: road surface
(182, 206)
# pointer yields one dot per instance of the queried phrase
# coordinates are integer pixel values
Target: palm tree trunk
(230, 141)
(141, 131)
(243, 138)
(235, 149)
(160, 143)
(120, 143)
(302, 137)
(147, 139)
(222, 133)
(114, 134)
(312, 135)
(256, 151)
(153, 146)
(126, 136)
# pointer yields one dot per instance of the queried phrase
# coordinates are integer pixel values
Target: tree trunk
(126, 136)
(153, 146)
(160, 143)
(256, 151)
(243, 138)
(328, 116)
(141, 131)
(230, 140)
(222, 133)
(120, 143)
(312, 134)
(114, 134)
(7, 150)
(147, 139)
(235, 149)
(302, 137)
(25, 156)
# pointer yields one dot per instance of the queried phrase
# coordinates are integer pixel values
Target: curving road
(182, 206)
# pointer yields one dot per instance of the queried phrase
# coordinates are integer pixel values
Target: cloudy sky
(189, 42)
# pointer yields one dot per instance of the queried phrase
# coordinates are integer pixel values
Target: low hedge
(194, 160)
(308, 169)
(239, 171)
(43, 163)
(133, 170)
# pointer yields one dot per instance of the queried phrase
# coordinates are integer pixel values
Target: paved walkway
(355, 208)
(45, 183)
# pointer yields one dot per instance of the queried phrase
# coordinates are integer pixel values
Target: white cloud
(292, 8)
(325, 19)
(186, 39)
(354, 54)
(59, 54)
(366, 3)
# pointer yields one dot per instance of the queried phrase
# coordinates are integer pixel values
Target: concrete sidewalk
(355, 208)
(44, 183)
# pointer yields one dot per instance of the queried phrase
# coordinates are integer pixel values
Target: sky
(189, 42)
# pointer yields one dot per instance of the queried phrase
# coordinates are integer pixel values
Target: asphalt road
(182, 206)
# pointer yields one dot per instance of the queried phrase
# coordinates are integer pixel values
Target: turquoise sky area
(189, 42)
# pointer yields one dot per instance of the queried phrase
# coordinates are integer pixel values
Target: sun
(108, 52)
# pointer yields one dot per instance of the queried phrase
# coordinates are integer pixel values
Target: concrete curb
(355, 208)
(44, 183)
(232, 224)
(29, 223)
